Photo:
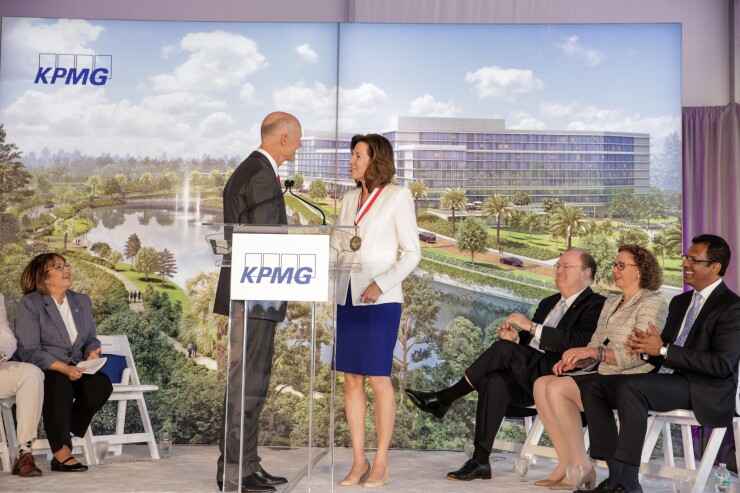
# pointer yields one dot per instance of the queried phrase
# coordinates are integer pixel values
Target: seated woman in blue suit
(369, 299)
(55, 331)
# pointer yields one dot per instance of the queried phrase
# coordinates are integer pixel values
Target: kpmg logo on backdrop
(71, 69)
(278, 268)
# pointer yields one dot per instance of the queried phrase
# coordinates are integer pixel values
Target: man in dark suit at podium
(253, 196)
(504, 374)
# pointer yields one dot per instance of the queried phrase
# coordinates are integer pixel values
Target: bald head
(281, 136)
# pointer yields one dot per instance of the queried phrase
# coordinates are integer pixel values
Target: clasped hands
(646, 342)
(508, 331)
(575, 358)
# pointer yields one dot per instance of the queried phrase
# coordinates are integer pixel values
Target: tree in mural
(133, 245)
(551, 204)
(166, 265)
(567, 221)
(521, 199)
(472, 237)
(200, 325)
(419, 191)
(317, 190)
(101, 249)
(453, 199)
(94, 182)
(420, 309)
(111, 186)
(147, 262)
(298, 179)
(603, 250)
(14, 178)
(67, 227)
(632, 236)
(497, 206)
(146, 179)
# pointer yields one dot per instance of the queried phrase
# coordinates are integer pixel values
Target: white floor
(192, 468)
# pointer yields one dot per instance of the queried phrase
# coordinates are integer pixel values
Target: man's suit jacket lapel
(573, 308)
(56, 317)
(705, 311)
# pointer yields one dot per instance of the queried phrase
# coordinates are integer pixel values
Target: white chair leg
(668, 459)
(152, 442)
(88, 448)
(120, 424)
(4, 450)
(707, 460)
(688, 447)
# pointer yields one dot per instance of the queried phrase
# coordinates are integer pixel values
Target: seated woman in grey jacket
(558, 398)
(55, 330)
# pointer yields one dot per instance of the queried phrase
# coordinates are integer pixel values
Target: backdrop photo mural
(118, 136)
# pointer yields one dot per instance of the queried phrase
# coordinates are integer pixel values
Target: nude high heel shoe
(588, 481)
(547, 482)
(386, 477)
(358, 478)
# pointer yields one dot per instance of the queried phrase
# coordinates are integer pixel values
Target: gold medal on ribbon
(355, 242)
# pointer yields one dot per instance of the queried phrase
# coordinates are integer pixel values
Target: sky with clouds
(191, 89)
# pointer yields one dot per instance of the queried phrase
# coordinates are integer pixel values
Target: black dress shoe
(621, 489)
(470, 471)
(428, 402)
(603, 487)
(250, 484)
(268, 478)
(64, 467)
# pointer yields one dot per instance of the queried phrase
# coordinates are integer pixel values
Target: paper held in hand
(91, 366)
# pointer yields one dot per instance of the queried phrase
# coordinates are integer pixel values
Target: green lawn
(174, 292)
(466, 258)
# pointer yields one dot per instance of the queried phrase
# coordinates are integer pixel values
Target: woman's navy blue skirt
(366, 337)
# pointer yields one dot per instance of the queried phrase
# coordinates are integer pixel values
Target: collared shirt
(269, 158)
(535, 341)
(69, 321)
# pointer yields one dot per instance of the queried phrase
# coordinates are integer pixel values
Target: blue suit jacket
(43, 337)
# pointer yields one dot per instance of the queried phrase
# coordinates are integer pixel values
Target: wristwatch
(664, 350)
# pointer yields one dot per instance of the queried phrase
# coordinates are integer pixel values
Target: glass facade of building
(481, 156)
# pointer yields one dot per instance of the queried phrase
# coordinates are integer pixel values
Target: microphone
(288, 188)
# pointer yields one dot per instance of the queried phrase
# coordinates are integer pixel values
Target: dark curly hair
(651, 277)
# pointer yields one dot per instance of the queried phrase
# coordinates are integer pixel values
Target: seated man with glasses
(696, 358)
(504, 374)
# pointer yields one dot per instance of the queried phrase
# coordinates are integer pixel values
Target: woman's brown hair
(651, 277)
(34, 275)
(382, 166)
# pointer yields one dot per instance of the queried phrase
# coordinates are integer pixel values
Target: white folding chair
(128, 389)
(7, 450)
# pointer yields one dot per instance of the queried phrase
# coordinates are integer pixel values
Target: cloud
(81, 117)
(307, 53)
(218, 60)
(556, 109)
(426, 106)
(321, 102)
(502, 83)
(526, 122)
(248, 94)
(573, 49)
(24, 39)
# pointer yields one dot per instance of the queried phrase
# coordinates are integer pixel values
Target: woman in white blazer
(369, 299)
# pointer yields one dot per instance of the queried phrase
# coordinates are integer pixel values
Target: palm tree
(146, 179)
(201, 325)
(497, 205)
(94, 182)
(673, 237)
(68, 228)
(418, 190)
(567, 220)
(453, 198)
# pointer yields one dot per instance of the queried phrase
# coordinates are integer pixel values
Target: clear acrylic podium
(227, 239)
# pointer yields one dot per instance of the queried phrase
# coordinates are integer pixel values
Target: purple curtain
(711, 178)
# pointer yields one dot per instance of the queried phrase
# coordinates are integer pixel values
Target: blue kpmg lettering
(276, 275)
(97, 77)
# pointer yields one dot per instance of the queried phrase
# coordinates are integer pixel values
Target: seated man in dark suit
(505, 373)
(696, 360)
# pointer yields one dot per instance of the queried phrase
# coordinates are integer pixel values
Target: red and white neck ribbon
(362, 209)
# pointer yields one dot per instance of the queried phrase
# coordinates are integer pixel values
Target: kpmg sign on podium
(280, 267)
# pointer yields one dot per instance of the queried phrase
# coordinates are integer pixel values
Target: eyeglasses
(60, 267)
(566, 267)
(621, 265)
(695, 260)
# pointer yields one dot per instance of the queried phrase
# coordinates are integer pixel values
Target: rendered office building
(484, 158)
